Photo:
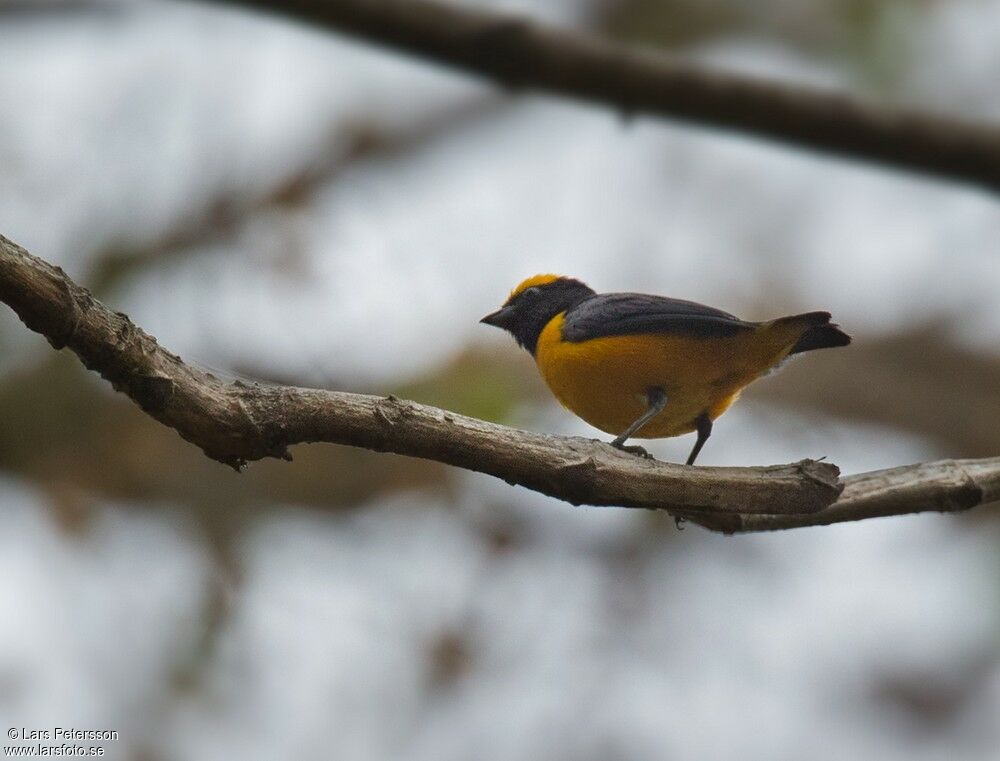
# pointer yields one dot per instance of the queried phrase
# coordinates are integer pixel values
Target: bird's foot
(633, 449)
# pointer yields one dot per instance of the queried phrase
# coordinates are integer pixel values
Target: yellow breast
(604, 380)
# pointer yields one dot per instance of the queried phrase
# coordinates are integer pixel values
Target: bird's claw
(633, 449)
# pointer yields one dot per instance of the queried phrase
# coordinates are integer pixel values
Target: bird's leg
(704, 425)
(656, 398)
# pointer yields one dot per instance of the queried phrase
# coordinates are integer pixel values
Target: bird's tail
(819, 332)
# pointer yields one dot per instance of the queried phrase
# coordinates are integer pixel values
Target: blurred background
(278, 203)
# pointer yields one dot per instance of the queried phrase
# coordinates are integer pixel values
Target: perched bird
(643, 366)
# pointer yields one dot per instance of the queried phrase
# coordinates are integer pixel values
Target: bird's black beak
(499, 318)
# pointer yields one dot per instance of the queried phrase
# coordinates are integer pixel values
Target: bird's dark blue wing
(617, 314)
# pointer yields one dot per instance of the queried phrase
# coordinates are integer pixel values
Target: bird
(636, 365)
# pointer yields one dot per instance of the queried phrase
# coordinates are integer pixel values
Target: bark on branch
(236, 423)
(519, 53)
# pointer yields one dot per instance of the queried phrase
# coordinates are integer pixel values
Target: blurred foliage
(69, 433)
(476, 384)
(898, 381)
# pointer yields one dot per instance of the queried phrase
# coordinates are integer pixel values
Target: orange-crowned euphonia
(643, 366)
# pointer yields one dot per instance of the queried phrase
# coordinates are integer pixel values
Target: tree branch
(236, 423)
(947, 486)
(519, 53)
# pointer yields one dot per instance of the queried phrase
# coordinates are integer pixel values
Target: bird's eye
(532, 293)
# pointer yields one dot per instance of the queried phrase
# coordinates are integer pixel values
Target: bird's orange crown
(532, 281)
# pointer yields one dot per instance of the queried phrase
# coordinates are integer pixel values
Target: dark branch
(236, 423)
(519, 53)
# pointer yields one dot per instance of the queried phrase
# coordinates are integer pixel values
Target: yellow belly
(604, 380)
